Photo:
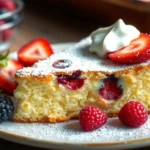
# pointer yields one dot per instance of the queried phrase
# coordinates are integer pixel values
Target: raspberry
(6, 108)
(92, 118)
(133, 114)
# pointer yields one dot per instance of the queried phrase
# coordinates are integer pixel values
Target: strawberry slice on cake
(136, 52)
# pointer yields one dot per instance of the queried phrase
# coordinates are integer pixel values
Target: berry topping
(110, 89)
(6, 108)
(7, 72)
(133, 114)
(92, 118)
(63, 63)
(35, 50)
(72, 82)
(9, 5)
(136, 52)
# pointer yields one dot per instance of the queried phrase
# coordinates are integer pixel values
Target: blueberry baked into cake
(106, 69)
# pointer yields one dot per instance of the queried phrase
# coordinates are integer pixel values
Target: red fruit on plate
(133, 114)
(7, 82)
(137, 51)
(35, 50)
(92, 118)
(5, 35)
(9, 5)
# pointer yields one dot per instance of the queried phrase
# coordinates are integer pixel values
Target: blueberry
(6, 108)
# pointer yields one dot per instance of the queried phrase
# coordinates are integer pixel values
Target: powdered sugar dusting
(81, 59)
(70, 132)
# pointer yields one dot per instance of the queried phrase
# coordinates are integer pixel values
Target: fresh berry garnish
(111, 90)
(61, 64)
(137, 51)
(72, 82)
(92, 118)
(9, 5)
(35, 50)
(6, 108)
(5, 34)
(7, 82)
(133, 114)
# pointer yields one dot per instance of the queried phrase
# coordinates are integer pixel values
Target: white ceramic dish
(69, 135)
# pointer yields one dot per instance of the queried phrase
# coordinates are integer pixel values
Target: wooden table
(58, 26)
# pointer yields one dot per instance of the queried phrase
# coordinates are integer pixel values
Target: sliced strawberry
(37, 49)
(7, 82)
(9, 5)
(138, 51)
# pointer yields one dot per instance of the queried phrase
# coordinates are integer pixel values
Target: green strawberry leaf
(4, 56)
(3, 63)
(3, 59)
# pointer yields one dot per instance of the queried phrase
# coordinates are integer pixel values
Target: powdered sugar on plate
(71, 133)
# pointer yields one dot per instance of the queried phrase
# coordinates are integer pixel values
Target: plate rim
(20, 139)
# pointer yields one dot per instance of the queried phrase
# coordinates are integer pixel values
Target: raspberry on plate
(133, 114)
(92, 118)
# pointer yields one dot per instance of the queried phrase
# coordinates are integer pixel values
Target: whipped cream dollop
(112, 38)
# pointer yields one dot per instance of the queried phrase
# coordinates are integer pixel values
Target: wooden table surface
(58, 26)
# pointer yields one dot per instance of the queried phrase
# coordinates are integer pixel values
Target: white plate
(69, 135)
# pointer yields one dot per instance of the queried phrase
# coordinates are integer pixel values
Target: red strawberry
(92, 118)
(7, 82)
(72, 82)
(138, 51)
(9, 5)
(133, 114)
(37, 49)
(111, 90)
(5, 34)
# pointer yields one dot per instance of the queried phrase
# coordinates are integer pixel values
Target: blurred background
(62, 21)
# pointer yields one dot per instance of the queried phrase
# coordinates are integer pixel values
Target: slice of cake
(56, 89)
